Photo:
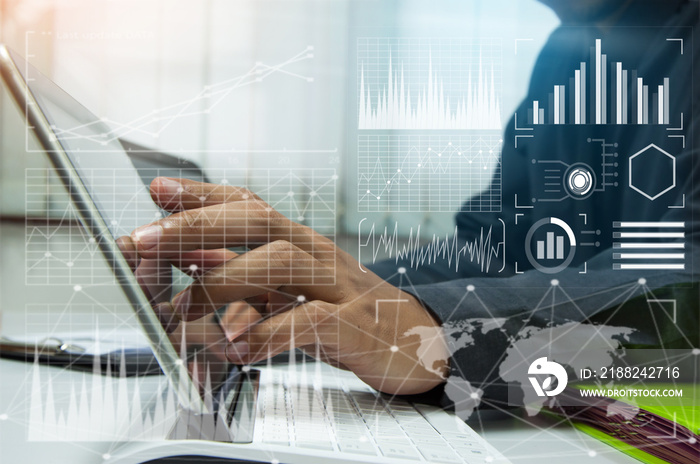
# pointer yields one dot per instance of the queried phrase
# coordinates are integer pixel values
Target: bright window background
(124, 59)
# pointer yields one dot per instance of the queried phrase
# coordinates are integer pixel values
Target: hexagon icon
(652, 172)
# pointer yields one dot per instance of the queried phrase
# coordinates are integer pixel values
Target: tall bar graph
(550, 245)
(603, 91)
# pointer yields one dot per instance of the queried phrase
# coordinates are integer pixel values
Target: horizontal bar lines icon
(680, 225)
(640, 245)
(648, 266)
(649, 255)
(648, 234)
(649, 245)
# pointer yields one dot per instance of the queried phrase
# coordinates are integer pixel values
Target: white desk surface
(43, 308)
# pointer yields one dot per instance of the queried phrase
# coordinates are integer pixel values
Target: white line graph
(428, 83)
(482, 250)
(99, 409)
(429, 172)
(105, 131)
(61, 255)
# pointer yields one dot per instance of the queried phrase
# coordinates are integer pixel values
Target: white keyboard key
(382, 444)
(318, 445)
(320, 435)
(438, 418)
(275, 442)
(398, 451)
(352, 435)
(439, 455)
(419, 425)
(357, 447)
(423, 432)
(276, 439)
(275, 431)
(459, 438)
(473, 453)
(350, 429)
(428, 441)
(392, 437)
(389, 436)
(467, 447)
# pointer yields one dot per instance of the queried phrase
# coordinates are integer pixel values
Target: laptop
(292, 413)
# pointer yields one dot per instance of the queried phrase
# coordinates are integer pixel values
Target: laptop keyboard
(359, 422)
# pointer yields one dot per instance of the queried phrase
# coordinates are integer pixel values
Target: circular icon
(579, 181)
(553, 250)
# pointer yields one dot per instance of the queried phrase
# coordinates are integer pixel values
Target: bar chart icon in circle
(550, 245)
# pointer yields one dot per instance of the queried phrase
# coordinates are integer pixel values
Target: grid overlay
(436, 173)
(59, 255)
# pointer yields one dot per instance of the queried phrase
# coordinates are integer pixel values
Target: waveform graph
(429, 173)
(428, 83)
(97, 408)
(484, 251)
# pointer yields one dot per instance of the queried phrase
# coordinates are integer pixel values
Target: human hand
(200, 343)
(294, 288)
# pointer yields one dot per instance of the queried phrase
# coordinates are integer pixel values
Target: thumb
(312, 322)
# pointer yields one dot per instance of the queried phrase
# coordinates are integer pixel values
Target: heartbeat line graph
(156, 122)
(56, 254)
(429, 173)
(482, 249)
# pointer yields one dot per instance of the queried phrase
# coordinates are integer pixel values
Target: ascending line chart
(105, 131)
(429, 172)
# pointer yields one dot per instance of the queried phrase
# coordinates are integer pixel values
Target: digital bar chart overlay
(551, 247)
(414, 83)
(602, 91)
(433, 173)
(554, 245)
(649, 245)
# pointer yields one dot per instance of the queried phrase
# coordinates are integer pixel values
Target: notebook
(110, 353)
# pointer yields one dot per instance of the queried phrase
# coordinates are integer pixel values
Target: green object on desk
(662, 430)
(619, 444)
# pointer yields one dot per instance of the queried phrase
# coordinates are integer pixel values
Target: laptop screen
(124, 203)
(94, 151)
